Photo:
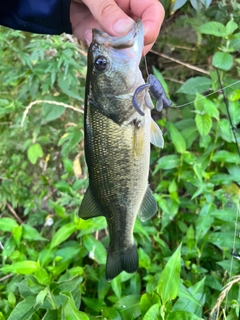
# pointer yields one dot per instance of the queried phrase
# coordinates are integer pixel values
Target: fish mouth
(134, 38)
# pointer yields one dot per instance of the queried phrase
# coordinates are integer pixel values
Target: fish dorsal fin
(89, 207)
(156, 137)
(148, 207)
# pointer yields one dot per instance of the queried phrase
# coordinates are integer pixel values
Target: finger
(109, 16)
(152, 14)
(146, 49)
(82, 21)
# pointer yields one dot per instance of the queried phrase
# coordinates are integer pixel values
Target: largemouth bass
(117, 143)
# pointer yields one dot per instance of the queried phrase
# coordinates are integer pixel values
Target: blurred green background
(52, 262)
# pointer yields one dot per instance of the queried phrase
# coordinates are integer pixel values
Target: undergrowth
(53, 262)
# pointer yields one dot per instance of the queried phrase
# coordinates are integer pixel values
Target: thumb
(109, 16)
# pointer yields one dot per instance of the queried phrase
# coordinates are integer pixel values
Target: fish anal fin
(156, 137)
(148, 207)
(89, 207)
(138, 140)
(121, 261)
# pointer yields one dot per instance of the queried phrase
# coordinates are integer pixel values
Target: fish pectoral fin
(89, 207)
(148, 207)
(156, 137)
(121, 261)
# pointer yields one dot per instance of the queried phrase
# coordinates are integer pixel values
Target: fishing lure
(156, 91)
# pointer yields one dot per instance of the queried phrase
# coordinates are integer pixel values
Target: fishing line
(208, 95)
(234, 252)
(145, 61)
(228, 112)
(221, 89)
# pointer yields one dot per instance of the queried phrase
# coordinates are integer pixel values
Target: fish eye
(101, 63)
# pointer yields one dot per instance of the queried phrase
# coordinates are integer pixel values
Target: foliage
(53, 262)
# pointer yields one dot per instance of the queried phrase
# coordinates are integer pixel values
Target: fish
(117, 143)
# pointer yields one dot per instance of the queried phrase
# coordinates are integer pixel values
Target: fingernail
(123, 26)
(88, 36)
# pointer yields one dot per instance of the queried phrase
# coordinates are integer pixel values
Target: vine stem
(10, 208)
(189, 66)
(56, 103)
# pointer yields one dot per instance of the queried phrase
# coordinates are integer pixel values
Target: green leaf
(206, 3)
(214, 28)
(177, 4)
(30, 233)
(52, 315)
(185, 294)
(203, 104)
(197, 291)
(93, 303)
(69, 284)
(86, 226)
(116, 285)
(223, 239)
(177, 138)
(17, 234)
(42, 276)
(62, 234)
(152, 313)
(22, 267)
(51, 112)
(227, 214)
(234, 45)
(226, 156)
(222, 60)
(95, 248)
(66, 88)
(195, 85)
(197, 4)
(148, 300)
(144, 259)
(168, 284)
(103, 287)
(203, 222)
(168, 162)
(69, 140)
(231, 26)
(111, 313)
(11, 299)
(225, 130)
(183, 315)
(41, 296)
(70, 311)
(24, 309)
(34, 152)
(128, 306)
(203, 123)
(234, 108)
(234, 171)
(8, 224)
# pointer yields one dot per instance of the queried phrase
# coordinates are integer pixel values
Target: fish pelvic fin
(89, 207)
(122, 261)
(156, 137)
(148, 207)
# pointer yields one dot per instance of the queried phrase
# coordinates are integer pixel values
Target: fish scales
(117, 145)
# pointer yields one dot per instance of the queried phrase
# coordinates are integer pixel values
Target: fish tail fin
(123, 261)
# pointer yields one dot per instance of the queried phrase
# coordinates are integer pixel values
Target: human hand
(116, 18)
